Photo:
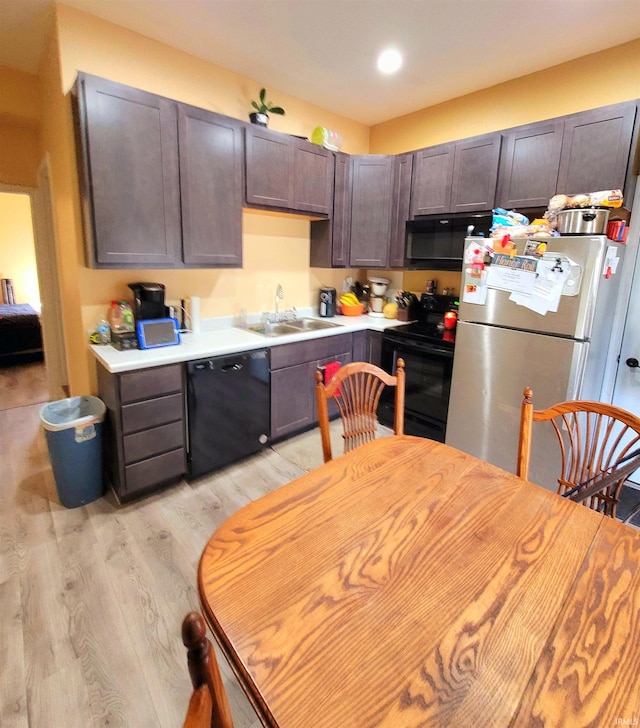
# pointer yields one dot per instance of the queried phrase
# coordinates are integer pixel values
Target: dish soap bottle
(103, 331)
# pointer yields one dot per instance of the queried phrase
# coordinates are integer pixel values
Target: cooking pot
(583, 221)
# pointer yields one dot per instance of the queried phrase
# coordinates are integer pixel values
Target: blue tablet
(153, 333)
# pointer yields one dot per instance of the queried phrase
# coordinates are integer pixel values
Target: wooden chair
(208, 707)
(593, 438)
(356, 388)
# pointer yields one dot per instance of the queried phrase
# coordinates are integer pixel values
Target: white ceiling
(324, 51)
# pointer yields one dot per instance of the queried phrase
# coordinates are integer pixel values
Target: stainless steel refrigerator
(504, 344)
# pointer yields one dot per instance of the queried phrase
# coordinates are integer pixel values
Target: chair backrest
(356, 388)
(593, 438)
(208, 707)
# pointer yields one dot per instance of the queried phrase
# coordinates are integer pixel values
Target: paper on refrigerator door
(475, 288)
(546, 292)
(516, 274)
(552, 275)
(610, 262)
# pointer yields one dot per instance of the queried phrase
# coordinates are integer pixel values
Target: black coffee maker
(148, 301)
(327, 302)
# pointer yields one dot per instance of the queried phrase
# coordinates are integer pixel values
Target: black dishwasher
(228, 409)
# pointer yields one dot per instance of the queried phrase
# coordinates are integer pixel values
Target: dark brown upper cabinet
(475, 173)
(161, 182)
(432, 180)
(529, 165)
(371, 210)
(128, 169)
(580, 153)
(456, 177)
(211, 186)
(313, 172)
(400, 208)
(269, 168)
(331, 239)
(595, 149)
(287, 173)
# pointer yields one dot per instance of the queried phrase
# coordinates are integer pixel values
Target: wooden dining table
(409, 584)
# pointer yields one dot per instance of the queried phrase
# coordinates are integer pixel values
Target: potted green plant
(262, 110)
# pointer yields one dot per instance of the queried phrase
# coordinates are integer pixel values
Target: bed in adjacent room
(20, 333)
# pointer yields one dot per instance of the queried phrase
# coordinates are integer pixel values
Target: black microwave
(436, 242)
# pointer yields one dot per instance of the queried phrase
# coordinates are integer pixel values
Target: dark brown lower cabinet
(144, 431)
(367, 346)
(293, 367)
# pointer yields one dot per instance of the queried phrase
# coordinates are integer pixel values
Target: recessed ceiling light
(389, 61)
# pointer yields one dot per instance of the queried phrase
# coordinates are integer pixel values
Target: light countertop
(224, 338)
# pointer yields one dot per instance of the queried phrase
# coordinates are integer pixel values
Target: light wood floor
(92, 599)
(22, 384)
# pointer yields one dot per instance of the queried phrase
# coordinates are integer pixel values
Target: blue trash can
(73, 428)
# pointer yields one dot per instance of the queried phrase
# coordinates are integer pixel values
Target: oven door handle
(416, 346)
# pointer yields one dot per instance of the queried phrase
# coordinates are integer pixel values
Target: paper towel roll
(195, 314)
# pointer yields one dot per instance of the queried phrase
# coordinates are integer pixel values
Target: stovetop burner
(431, 333)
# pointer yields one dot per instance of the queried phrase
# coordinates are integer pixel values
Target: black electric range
(426, 347)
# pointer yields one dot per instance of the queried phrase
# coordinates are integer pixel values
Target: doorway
(23, 379)
(28, 257)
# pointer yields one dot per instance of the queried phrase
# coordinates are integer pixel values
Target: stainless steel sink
(310, 324)
(273, 329)
(291, 327)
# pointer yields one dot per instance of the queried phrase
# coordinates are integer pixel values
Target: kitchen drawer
(151, 442)
(158, 411)
(288, 355)
(150, 383)
(154, 471)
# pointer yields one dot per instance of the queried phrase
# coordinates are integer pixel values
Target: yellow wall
(57, 140)
(21, 96)
(599, 79)
(17, 252)
(96, 46)
(416, 280)
(20, 113)
(608, 77)
(19, 154)
(276, 249)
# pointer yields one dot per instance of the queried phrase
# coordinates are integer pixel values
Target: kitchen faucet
(279, 297)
